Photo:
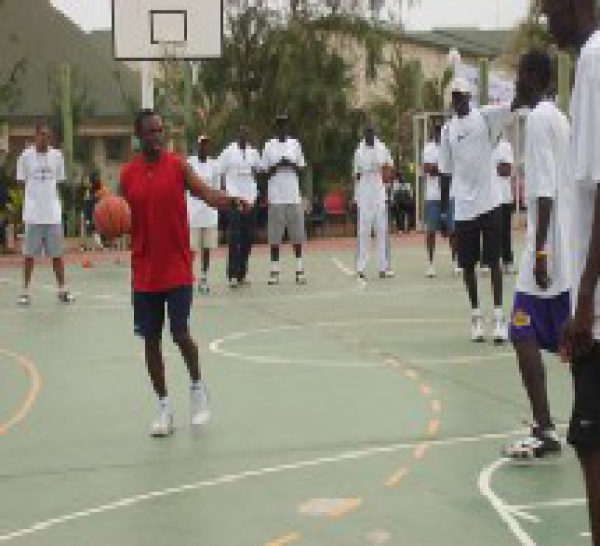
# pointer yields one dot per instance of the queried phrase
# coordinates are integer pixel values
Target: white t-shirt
(431, 155)
(41, 173)
(585, 161)
(466, 154)
(546, 170)
(368, 162)
(238, 167)
(503, 153)
(284, 185)
(199, 213)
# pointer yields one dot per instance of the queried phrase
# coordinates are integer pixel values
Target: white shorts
(204, 238)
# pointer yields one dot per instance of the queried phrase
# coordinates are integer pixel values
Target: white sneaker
(430, 273)
(24, 300)
(458, 271)
(233, 283)
(477, 333)
(199, 410)
(538, 445)
(163, 424)
(388, 274)
(500, 331)
(203, 288)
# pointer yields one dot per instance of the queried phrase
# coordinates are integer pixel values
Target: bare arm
(214, 198)
(431, 169)
(544, 213)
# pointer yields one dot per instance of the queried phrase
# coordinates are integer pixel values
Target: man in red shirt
(154, 184)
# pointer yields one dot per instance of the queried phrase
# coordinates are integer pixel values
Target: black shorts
(149, 311)
(479, 240)
(584, 429)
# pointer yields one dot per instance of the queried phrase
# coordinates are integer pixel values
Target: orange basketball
(112, 217)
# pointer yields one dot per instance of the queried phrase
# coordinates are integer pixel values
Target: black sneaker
(300, 277)
(274, 278)
(538, 445)
(66, 297)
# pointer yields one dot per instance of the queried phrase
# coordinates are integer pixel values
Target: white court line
(216, 345)
(348, 272)
(239, 477)
(559, 503)
(507, 514)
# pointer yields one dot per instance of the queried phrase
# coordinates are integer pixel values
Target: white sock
(498, 313)
(164, 404)
(275, 267)
(204, 276)
(476, 313)
(299, 265)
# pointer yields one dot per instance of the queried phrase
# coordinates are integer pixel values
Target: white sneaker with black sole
(477, 331)
(163, 425)
(539, 444)
(430, 273)
(199, 410)
(24, 300)
(500, 334)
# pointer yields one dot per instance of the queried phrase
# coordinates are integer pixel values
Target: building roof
(44, 38)
(469, 41)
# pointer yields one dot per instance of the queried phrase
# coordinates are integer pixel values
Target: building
(105, 92)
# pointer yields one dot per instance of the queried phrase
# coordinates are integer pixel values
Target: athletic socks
(299, 265)
(164, 404)
(196, 385)
(498, 313)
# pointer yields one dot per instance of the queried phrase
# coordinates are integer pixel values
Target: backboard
(154, 29)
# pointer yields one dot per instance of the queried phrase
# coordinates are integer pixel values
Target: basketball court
(344, 413)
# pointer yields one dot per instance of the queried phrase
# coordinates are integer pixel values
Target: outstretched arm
(215, 198)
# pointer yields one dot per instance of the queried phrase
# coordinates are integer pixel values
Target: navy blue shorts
(433, 216)
(149, 311)
(541, 319)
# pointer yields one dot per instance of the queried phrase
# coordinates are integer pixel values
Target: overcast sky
(94, 14)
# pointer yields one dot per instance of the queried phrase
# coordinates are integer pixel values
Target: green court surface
(344, 414)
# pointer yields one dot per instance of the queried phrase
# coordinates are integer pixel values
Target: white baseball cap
(461, 85)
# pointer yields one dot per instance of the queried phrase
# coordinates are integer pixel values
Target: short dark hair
(539, 63)
(140, 116)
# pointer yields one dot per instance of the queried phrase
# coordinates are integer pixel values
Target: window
(116, 149)
(83, 150)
